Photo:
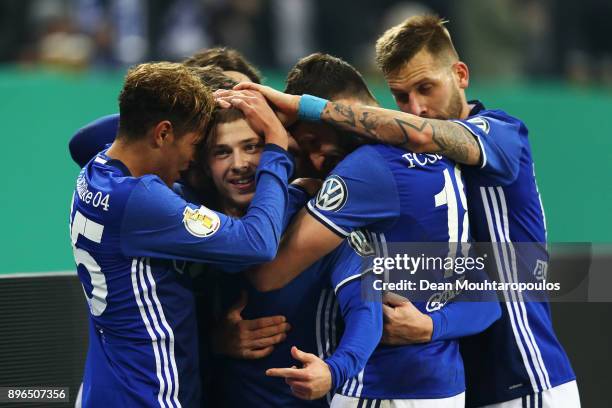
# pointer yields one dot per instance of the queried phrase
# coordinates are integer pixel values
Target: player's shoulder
(488, 118)
(369, 154)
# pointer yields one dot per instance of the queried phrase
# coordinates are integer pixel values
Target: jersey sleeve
(463, 318)
(93, 138)
(471, 312)
(298, 197)
(360, 192)
(500, 138)
(159, 223)
(362, 318)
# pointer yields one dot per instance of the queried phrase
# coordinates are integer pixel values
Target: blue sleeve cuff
(335, 374)
(439, 325)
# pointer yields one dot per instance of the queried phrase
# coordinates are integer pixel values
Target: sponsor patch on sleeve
(480, 123)
(333, 194)
(201, 222)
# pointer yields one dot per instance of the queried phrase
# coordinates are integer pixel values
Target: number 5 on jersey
(91, 230)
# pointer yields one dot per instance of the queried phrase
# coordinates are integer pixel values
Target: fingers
(301, 356)
(265, 341)
(255, 354)
(264, 322)
(270, 331)
(294, 373)
(393, 299)
(250, 85)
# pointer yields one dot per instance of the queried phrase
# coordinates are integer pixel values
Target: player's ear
(462, 74)
(163, 133)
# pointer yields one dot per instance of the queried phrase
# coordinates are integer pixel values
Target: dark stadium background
(546, 62)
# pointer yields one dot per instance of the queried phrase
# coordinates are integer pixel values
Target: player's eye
(425, 88)
(401, 97)
(252, 147)
(221, 153)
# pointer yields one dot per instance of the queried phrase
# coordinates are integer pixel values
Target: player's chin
(243, 199)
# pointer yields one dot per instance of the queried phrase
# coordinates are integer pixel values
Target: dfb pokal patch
(201, 222)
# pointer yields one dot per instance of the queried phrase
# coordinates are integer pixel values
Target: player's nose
(239, 161)
(416, 106)
(317, 159)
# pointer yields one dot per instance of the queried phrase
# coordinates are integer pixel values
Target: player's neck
(132, 155)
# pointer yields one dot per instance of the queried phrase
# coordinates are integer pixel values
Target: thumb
(235, 311)
(301, 356)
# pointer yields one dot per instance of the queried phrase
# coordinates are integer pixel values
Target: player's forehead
(423, 66)
(235, 133)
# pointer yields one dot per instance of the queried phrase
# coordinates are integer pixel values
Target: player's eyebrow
(251, 140)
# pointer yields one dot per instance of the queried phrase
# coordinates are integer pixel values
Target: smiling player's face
(233, 160)
(430, 87)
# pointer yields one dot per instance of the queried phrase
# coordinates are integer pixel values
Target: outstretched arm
(304, 242)
(410, 132)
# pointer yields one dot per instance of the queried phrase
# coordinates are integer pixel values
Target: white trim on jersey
(162, 381)
(169, 331)
(347, 280)
(325, 328)
(326, 220)
(161, 338)
(497, 221)
(165, 366)
(540, 360)
(100, 160)
(482, 150)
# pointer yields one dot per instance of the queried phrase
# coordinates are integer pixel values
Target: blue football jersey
(316, 304)
(519, 354)
(399, 196)
(132, 237)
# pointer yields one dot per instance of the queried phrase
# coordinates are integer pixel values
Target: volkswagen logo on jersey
(360, 241)
(333, 194)
(481, 123)
(201, 222)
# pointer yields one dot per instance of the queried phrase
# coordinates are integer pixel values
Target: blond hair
(399, 44)
(154, 92)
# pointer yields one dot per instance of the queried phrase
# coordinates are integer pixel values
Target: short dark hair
(214, 78)
(228, 59)
(154, 92)
(328, 77)
(399, 44)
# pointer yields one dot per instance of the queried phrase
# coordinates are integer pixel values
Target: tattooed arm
(407, 131)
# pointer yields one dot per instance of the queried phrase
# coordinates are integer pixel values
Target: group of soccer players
(212, 280)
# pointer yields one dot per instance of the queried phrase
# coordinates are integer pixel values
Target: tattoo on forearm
(455, 142)
(344, 113)
(405, 128)
(386, 126)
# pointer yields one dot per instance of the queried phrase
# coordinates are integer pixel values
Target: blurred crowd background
(499, 39)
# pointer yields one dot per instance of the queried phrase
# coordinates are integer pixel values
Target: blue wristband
(311, 107)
